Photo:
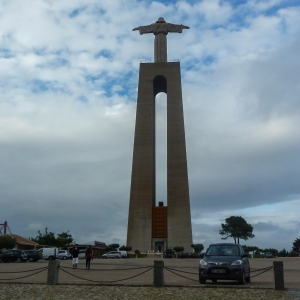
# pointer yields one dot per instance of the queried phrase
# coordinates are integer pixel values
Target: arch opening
(161, 148)
(159, 85)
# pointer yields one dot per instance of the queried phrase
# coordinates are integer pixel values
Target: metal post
(158, 273)
(278, 275)
(53, 272)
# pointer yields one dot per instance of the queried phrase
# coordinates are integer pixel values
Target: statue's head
(160, 20)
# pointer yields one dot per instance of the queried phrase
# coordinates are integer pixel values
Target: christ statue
(160, 29)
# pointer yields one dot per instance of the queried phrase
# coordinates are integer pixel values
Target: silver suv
(64, 254)
(112, 254)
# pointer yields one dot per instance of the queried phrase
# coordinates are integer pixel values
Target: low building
(23, 243)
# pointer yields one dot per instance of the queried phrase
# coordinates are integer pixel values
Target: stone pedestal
(278, 275)
(158, 273)
(53, 272)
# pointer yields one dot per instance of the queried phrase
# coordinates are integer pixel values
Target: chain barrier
(26, 275)
(110, 269)
(265, 270)
(24, 271)
(170, 270)
(150, 268)
(182, 271)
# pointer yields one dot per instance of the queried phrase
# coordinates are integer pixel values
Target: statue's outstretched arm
(136, 28)
(185, 27)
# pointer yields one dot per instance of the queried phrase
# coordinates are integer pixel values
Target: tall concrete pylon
(152, 227)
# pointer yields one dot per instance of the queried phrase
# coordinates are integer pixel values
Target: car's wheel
(18, 260)
(247, 279)
(64, 257)
(31, 259)
(242, 281)
(214, 280)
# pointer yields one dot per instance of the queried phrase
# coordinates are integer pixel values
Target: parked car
(268, 255)
(33, 255)
(123, 253)
(49, 253)
(183, 255)
(112, 254)
(224, 261)
(64, 254)
(81, 253)
(13, 255)
(168, 253)
(192, 255)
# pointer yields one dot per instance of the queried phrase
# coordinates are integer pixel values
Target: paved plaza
(123, 279)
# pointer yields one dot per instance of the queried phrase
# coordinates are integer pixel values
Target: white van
(49, 253)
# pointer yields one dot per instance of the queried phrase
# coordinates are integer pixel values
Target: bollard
(53, 271)
(278, 275)
(158, 273)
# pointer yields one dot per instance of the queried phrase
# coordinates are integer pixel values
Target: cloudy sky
(68, 88)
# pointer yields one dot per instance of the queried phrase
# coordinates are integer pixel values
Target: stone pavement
(45, 292)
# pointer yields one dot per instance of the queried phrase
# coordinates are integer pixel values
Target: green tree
(112, 247)
(60, 240)
(296, 246)
(272, 250)
(125, 248)
(63, 239)
(237, 228)
(46, 238)
(283, 253)
(197, 247)
(7, 242)
(250, 248)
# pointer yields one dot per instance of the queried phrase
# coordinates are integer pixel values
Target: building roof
(22, 241)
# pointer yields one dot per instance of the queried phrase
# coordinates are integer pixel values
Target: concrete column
(53, 272)
(158, 273)
(278, 275)
(160, 48)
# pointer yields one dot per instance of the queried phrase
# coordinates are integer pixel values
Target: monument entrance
(152, 227)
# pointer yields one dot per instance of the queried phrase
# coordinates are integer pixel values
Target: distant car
(192, 255)
(183, 255)
(168, 253)
(33, 255)
(49, 253)
(112, 254)
(64, 254)
(13, 255)
(226, 261)
(81, 253)
(268, 255)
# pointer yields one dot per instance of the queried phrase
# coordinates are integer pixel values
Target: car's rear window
(223, 250)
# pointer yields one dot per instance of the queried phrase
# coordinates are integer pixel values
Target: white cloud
(68, 85)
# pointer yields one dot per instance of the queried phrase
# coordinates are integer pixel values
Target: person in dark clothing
(75, 253)
(88, 256)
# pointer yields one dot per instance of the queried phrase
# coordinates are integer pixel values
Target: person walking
(88, 257)
(75, 253)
